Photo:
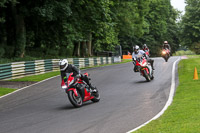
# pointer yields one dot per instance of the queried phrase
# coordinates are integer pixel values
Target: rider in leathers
(137, 52)
(145, 48)
(167, 46)
(69, 68)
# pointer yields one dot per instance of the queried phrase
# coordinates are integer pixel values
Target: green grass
(182, 52)
(183, 116)
(39, 77)
(4, 91)
(193, 56)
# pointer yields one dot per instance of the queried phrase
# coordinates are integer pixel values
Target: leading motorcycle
(166, 54)
(144, 67)
(78, 91)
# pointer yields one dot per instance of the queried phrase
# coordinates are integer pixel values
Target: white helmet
(136, 49)
(165, 42)
(63, 63)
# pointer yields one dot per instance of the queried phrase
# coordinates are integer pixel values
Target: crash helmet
(165, 42)
(136, 49)
(144, 46)
(63, 64)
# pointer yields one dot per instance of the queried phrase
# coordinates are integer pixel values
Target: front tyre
(166, 58)
(96, 96)
(147, 76)
(152, 77)
(76, 101)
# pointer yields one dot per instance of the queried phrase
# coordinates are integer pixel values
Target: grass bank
(38, 78)
(44, 76)
(4, 91)
(182, 52)
(183, 116)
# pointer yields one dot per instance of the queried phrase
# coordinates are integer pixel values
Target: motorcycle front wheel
(96, 96)
(147, 76)
(76, 101)
(166, 58)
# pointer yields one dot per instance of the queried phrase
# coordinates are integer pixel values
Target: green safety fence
(21, 69)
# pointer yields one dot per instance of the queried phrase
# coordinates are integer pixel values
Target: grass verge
(4, 91)
(182, 52)
(183, 116)
(39, 77)
(44, 76)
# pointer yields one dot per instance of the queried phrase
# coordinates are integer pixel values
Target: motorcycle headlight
(163, 52)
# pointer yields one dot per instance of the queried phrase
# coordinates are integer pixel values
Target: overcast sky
(179, 4)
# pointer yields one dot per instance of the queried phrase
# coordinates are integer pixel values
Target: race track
(127, 101)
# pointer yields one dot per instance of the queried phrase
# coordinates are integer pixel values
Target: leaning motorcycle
(147, 53)
(165, 54)
(78, 91)
(144, 67)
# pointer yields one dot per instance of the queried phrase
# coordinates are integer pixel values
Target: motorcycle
(166, 54)
(144, 68)
(147, 52)
(78, 91)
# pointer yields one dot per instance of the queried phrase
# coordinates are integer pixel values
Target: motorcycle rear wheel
(96, 96)
(76, 101)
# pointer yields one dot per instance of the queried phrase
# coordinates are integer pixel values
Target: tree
(190, 35)
(49, 28)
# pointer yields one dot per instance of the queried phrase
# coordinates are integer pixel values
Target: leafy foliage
(191, 26)
(64, 27)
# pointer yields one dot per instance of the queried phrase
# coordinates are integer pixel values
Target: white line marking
(26, 87)
(170, 99)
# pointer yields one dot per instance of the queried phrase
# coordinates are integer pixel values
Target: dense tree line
(190, 26)
(83, 27)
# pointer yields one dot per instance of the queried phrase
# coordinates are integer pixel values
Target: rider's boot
(92, 88)
(152, 61)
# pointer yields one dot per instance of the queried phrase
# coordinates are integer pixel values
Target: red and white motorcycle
(166, 54)
(144, 67)
(78, 91)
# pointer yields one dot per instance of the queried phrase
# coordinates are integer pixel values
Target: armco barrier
(21, 69)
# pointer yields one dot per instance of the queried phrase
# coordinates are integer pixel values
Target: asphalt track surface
(127, 101)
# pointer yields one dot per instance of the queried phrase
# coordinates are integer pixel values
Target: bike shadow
(71, 107)
(66, 107)
(140, 82)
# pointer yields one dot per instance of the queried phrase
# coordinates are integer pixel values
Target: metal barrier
(22, 69)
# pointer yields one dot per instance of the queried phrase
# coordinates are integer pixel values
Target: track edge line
(168, 103)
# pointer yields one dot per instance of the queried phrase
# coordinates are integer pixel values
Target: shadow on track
(67, 107)
(70, 106)
(142, 81)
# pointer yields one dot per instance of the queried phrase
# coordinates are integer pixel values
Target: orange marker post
(195, 74)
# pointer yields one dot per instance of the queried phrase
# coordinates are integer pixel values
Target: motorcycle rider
(167, 46)
(65, 67)
(146, 49)
(136, 52)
